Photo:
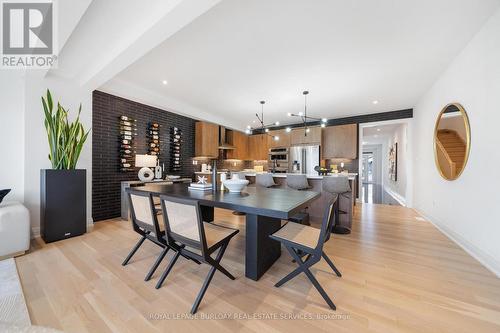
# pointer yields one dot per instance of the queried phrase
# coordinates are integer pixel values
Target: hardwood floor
(399, 275)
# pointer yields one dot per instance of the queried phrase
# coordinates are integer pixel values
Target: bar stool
(339, 187)
(299, 183)
(264, 180)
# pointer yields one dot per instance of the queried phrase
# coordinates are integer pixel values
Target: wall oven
(278, 160)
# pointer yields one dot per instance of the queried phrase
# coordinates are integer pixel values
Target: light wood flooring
(399, 275)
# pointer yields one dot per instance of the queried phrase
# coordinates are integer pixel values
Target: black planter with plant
(63, 195)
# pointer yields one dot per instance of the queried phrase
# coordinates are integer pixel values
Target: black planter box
(63, 204)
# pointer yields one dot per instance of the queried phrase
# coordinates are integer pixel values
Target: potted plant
(63, 200)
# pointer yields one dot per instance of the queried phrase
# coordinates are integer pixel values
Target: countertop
(351, 176)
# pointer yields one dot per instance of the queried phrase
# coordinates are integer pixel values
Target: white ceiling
(379, 133)
(346, 53)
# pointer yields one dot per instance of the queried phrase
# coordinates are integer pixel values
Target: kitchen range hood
(223, 144)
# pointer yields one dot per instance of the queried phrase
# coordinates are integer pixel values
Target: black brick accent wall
(106, 174)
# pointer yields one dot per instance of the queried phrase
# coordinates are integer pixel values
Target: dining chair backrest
(183, 222)
(327, 223)
(297, 182)
(264, 180)
(143, 212)
(336, 184)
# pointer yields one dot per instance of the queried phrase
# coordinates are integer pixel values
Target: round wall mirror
(451, 141)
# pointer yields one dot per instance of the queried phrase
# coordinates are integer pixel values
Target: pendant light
(305, 118)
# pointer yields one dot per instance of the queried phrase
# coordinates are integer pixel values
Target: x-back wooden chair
(300, 238)
(186, 232)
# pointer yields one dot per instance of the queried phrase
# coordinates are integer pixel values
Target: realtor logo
(28, 34)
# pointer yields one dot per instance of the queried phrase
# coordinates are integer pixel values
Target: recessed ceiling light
(375, 102)
(165, 82)
(378, 129)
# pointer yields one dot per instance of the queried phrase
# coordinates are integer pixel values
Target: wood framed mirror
(451, 141)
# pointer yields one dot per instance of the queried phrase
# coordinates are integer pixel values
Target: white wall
(12, 133)
(397, 188)
(465, 209)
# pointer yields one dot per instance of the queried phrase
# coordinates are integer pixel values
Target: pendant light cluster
(305, 118)
(302, 115)
(263, 127)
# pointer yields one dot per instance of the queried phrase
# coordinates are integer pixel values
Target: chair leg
(224, 271)
(156, 264)
(304, 267)
(320, 289)
(168, 269)
(134, 250)
(208, 279)
(331, 264)
(290, 276)
(297, 271)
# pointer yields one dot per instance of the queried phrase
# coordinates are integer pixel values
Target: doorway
(383, 163)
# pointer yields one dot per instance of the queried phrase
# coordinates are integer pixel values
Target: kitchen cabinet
(206, 140)
(258, 147)
(240, 142)
(297, 136)
(284, 139)
(340, 142)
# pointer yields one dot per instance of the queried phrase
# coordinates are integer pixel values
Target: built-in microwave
(278, 160)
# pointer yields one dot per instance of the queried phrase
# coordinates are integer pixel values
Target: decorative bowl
(235, 185)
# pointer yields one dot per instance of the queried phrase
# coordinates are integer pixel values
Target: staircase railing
(448, 167)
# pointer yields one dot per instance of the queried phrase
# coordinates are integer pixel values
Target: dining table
(264, 210)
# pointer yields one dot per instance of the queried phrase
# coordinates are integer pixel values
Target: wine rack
(175, 149)
(154, 138)
(128, 132)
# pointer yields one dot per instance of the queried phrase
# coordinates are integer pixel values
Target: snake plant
(65, 138)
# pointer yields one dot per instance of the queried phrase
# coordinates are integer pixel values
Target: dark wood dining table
(264, 208)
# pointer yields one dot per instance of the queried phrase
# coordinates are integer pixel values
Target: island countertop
(351, 176)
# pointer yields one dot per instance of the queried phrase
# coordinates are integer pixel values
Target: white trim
(398, 197)
(486, 259)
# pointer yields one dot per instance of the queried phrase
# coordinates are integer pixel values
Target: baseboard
(35, 231)
(487, 260)
(398, 197)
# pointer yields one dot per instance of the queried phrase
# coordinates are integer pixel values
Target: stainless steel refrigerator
(303, 159)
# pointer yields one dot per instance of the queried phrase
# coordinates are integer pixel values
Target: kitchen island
(316, 207)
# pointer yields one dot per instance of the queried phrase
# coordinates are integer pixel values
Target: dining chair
(145, 223)
(296, 237)
(191, 237)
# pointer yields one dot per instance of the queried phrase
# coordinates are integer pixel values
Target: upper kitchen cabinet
(240, 142)
(206, 140)
(284, 139)
(340, 142)
(258, 147)
(297, 136)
